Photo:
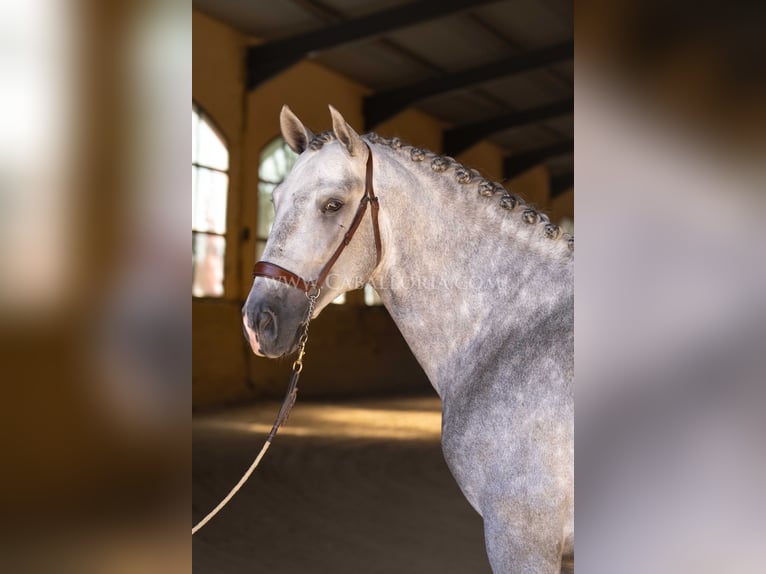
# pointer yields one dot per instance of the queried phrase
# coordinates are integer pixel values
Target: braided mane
(464, 176)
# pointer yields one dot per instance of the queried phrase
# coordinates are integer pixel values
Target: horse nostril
(267, 324)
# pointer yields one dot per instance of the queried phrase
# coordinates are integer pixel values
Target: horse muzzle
(271, 319)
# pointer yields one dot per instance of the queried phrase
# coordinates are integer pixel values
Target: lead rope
(284, 413)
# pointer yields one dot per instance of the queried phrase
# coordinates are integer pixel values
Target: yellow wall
(219, 367)
(217, 88)
(562, 206)
(353, 348)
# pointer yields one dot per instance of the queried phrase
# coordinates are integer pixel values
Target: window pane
(209, 200)
(195, 127)
(207, 265)
(340, 299)
(289, 159)
(281, 161)
(212, 151)
(260, 245)
(276, 161)
(265, 210)
(371, 297)
(268, 170)
(194, 193)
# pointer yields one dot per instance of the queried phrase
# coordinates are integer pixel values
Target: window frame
(202, 115)
(259, 238)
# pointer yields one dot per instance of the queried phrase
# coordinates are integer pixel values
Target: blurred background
(94, 328)
(670, 117)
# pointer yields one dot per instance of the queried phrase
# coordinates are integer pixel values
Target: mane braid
(464, 176)
(320, 139)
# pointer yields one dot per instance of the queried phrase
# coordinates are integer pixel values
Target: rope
(234, 490)
(282, 416)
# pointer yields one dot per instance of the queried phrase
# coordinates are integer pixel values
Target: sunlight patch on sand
(342, 422)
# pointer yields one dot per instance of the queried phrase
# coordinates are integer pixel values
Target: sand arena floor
(347, 487)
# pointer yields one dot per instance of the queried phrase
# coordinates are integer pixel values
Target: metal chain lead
(298, 363)
(292, 388)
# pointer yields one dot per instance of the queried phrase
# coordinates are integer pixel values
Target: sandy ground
(347, 487)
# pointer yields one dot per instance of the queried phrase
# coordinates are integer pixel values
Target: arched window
(277, 160)
(210, 185)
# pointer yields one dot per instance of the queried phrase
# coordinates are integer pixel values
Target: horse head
(319, 208)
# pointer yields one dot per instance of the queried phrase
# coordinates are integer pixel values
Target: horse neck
(459, 273)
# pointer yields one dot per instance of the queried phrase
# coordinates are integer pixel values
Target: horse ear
(345, 133)
(295, 133)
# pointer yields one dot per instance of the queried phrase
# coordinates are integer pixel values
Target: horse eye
(333, 205)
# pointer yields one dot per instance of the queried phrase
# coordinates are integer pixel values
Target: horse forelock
(320, 139)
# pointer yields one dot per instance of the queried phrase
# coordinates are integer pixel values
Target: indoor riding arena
(356, 480)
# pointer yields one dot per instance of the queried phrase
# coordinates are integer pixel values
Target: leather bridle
(278, 273)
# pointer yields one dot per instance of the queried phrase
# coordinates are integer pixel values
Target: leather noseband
(277, 273)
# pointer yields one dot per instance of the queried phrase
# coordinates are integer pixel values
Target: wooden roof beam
(462, 137)
(383, 105)
(517, 164)
(267, 60)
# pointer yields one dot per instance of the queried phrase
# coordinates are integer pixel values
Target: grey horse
(481, 287)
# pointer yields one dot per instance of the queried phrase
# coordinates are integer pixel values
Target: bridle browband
(274, 271)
